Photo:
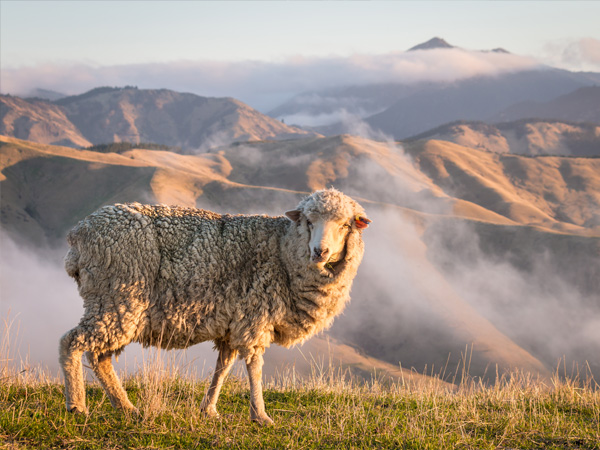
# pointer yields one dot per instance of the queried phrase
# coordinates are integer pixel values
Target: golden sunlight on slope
(179, 178)
(52, 187)
(556, 193)
(468, 136)
(38, 121)
(530, 137)
(366, 169)
(541, 138)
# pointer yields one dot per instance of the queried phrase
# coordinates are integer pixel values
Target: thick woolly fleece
(173, 277)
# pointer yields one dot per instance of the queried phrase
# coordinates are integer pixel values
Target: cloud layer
(582, 54)
(265, 85)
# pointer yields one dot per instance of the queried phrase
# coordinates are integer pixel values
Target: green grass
(330, 409)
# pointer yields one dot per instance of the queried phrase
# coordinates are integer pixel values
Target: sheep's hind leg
(104, 370)
(71, 349)
(257, 404)
(224, 362)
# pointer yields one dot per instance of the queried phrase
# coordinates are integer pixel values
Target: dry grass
(329, 409)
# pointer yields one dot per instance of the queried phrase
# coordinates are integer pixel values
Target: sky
(71, 46)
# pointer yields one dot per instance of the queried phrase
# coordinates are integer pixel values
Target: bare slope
(106, 115)
(557, 193)
(525, 137)
(38, 121)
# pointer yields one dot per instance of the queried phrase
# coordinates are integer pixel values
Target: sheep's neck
(316, 297)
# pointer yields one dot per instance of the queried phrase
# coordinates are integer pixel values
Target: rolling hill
(525, 137)
(106, 115)
(38, 121)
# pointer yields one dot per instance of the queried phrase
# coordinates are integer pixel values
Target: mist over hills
(485, 236)
(479, 98)
(105, 115)
(467, 248)
(406, 108)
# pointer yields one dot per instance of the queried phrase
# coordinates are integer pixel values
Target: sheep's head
(327, 218)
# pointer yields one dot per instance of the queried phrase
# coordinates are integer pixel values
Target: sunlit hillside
(468, 249)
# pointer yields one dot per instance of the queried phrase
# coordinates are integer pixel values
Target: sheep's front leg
(257, 404)
(70, 352)
(224, 362)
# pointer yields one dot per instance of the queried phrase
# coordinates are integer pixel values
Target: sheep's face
(327, 239)
(326, 225)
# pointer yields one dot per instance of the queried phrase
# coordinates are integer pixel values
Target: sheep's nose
(319, 254)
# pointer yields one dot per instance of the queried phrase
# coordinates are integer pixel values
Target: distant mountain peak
(435, 42)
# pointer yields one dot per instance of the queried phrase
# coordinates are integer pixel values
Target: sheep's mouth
(333, 265)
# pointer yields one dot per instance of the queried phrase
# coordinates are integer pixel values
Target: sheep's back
(182, 271)
(113, 249)
(215, 270)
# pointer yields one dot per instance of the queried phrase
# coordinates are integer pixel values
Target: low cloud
(265, 85)
(582, 54)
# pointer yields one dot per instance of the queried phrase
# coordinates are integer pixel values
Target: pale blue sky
(116, 32)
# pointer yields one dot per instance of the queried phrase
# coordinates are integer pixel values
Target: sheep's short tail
(72, 263)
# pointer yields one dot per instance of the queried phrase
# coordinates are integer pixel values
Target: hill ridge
(162, 116)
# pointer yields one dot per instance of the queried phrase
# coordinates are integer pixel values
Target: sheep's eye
(309, 223)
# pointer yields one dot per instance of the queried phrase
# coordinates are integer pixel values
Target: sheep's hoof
(211, 412)
(262, 420)
(133, 412)
(78, 410)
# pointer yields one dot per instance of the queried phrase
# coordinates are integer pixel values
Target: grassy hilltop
(327, 410)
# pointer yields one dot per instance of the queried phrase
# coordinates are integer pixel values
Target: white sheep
(174, 277)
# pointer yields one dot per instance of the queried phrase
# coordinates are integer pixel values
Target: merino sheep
(173, 277)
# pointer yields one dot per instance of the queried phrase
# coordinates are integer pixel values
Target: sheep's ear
(293, 215)
(361, 222)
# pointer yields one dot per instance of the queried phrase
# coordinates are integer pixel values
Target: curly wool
(174, 277)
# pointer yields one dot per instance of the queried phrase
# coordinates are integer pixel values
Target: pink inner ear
(293, 215)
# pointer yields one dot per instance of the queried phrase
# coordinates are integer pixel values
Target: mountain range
(489, 99)
(581, 105)
(404, 109)
(567, 125)
(106, 115)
